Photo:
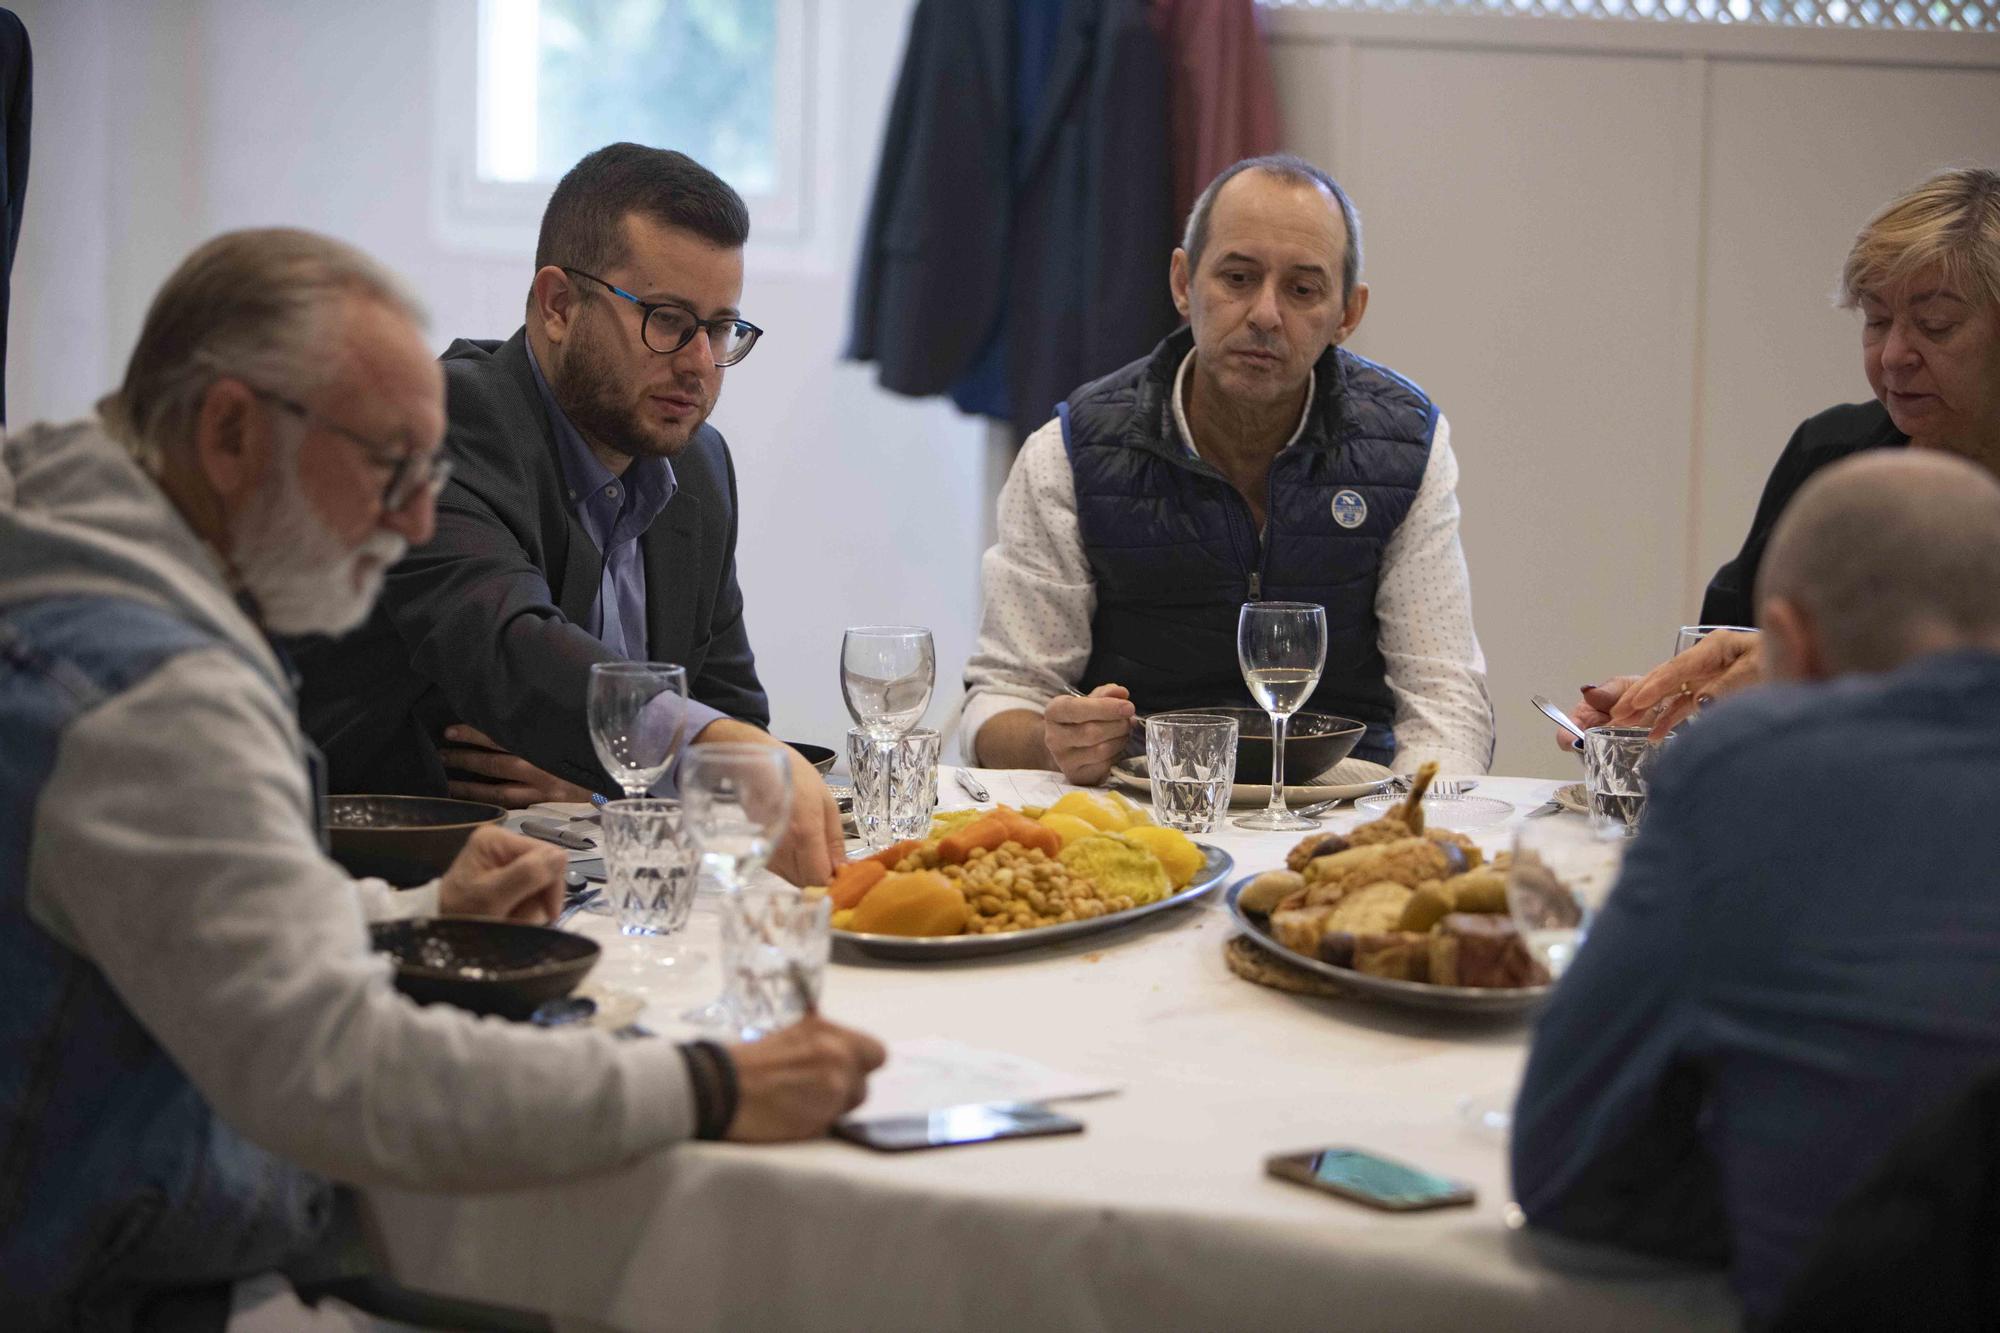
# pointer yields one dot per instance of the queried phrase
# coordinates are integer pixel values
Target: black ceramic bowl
(818, 756)
(407, 840)
(489, 967)
(1314, 742)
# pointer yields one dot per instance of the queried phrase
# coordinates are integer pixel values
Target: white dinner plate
(1411, 994)
(941, 948)
(1343, 782)
(1457, 812)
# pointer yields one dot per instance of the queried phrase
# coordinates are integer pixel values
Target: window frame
(474, 214)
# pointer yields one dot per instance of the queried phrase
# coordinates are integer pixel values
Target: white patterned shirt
(1034, 629)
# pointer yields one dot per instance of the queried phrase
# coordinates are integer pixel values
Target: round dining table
(1160, 1215)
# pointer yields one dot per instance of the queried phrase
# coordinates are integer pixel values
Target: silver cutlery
(971, 786)
(1560, 718)
(1546, 808)
(1400, 786)
(575, 905)
(552, 830)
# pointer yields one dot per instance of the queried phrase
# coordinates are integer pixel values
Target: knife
(551, 830)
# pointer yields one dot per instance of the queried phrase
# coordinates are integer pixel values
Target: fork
(1400, 786)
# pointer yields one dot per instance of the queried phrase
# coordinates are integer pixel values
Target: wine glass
(1560, 875)
(735, 801)
(886, 676)
(636, 712)
(1281, 647)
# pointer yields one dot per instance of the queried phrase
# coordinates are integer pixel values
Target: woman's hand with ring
(1721, 664)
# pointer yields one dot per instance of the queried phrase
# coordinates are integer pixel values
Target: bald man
(1799, 958)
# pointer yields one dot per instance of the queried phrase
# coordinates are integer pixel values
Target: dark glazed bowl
(818, 756)
(488, 967)
(407, 840)
(1314, 742)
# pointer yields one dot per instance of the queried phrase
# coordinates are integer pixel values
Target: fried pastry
(1268, 890)
(1369, 910)
(1483, 951)
(1312, 845)
(1407, 861)
(1399, 955)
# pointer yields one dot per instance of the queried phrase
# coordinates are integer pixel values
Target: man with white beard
(197, 1042)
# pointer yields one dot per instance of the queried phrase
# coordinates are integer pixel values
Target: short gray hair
(1298, 171)
(1880, 548)
(258, 305)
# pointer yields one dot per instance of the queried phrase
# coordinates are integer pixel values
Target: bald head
(1881, 558)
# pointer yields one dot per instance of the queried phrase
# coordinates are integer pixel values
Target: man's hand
(1086, 736)
(511, 781)
(812, 844)
(1723, 663)
(503, 874)
(1594, 708)
(794, 1084)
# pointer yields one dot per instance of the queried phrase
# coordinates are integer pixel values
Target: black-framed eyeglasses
(410, 473)
(666, 326)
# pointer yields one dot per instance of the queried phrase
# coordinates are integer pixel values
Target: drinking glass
(735, 801)
(907, 768)
(886, 676)
(1561, 875)
(636, 712)
(1281, 647)
(1616, 761)
(649, 871)
(1191, 762)
(1689, 635)
(1559, 878)
(774, 948)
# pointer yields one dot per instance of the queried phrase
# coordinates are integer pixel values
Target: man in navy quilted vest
(197, 1041)
(1250, 457)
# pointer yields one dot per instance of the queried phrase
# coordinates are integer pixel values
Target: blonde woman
(1925, 275)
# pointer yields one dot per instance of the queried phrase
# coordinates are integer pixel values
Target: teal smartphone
(1368, 1179)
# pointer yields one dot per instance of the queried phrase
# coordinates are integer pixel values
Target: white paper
(930, 1073)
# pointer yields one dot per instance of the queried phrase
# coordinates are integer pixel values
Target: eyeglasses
(410, 472)
(666, 326)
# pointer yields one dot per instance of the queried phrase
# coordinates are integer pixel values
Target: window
(529, 86)
(1911, 15)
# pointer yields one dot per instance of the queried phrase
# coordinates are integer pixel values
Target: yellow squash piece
(1069, 827)
(1175, 850)
(1092, 809)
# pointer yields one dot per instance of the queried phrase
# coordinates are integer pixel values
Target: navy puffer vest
(1175, 552)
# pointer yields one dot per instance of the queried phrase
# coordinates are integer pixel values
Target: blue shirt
(615, 511)
(1799, 960)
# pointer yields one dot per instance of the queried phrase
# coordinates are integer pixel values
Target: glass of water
(908, 768)
(636, 711)
(1689, 635)
(1616, 761)
(1561, 874)
(1191, 761)
(649, 871)
(1281, 647)
(737, 799)
(887, 673)
(774, 949)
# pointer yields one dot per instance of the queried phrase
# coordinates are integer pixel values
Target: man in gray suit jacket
(592, 518)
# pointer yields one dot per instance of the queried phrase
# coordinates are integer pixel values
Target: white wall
(159, 124)
(1606, 249)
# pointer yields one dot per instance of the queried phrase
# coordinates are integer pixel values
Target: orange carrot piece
(851, 882)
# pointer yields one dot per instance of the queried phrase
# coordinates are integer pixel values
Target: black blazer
(1057, 244)
(482, 625)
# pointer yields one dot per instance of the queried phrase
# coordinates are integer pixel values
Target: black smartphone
(1366, 1178)
(980, 1123)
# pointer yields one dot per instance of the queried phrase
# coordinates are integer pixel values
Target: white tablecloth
(1158, 1216)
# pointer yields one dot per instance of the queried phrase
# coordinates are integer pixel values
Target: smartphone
(1366, 1178)
(979, 1123)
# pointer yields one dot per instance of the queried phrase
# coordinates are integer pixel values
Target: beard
(599, 403)
(301, 576)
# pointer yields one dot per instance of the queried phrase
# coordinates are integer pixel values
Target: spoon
(1561, 719)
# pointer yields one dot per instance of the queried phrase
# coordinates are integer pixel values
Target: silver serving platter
(942, 947)
(1412, 994)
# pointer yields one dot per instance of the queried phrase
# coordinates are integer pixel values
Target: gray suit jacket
(483, 624)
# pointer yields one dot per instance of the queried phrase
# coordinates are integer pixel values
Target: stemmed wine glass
(1281, 647)
(735, 801)
(886, 676)
(1560, 875)
(636, 712)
